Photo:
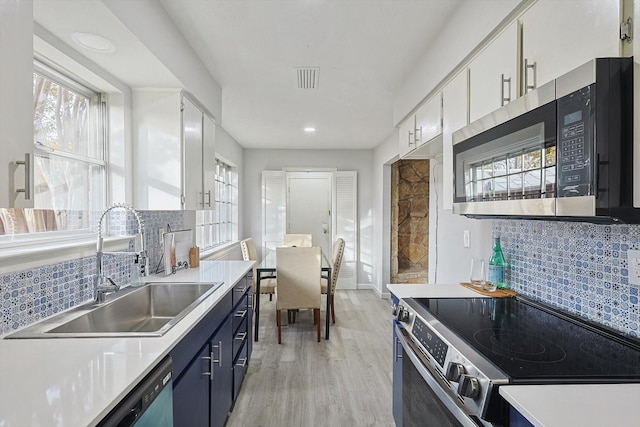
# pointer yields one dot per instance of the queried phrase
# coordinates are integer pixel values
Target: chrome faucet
(105, 285)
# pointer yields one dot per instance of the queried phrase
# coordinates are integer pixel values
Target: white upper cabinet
(192, 137)
(174, 151)
(454, 113)
(406, 136)
(16, 104)
(421, 134)
(493, 74)
(208, 162)
(429, 120)
(558, 36)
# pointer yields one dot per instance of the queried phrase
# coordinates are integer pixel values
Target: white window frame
(15, 246)
(219, 226)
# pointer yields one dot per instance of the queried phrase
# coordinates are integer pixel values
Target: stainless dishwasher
(149, 404)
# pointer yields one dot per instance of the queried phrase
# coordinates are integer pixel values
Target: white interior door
(309, 207)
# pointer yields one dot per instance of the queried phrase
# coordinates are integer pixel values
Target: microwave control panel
(574, 143)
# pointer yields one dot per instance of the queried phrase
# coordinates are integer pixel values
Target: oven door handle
(433, 384)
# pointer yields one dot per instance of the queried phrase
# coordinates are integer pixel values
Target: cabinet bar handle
(209, 373)
(528, 87)
(27, 176)
(504, 100)
(242, 362)
(241, 313)
(209, 198)
(410, 133)
(219, 359)
(241, 336)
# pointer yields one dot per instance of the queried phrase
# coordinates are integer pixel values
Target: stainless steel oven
(458, 352)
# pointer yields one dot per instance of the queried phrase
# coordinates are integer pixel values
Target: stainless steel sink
(150, 310)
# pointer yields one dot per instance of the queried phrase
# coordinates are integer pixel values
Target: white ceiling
(364, 49)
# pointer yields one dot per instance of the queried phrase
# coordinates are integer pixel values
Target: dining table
(267, 269)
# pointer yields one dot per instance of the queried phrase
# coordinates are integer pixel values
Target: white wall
(151, 24)
(449, 260)
(255, 161)
(384, 155)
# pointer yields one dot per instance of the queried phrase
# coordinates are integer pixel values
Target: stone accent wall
(410, 221)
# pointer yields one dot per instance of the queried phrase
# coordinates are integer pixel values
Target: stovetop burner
(524, 347)
(532, 344)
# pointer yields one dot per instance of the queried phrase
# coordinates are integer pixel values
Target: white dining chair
(249, 253)
(298, 271)
(298, 240)
(338, 252)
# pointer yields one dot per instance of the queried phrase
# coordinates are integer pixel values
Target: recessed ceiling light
(93, 42)
(309, 129)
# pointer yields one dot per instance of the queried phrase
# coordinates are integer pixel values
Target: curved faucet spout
(103, 283)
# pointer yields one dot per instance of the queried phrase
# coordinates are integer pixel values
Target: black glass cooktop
(531, 344)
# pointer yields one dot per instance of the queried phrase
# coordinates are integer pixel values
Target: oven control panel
(430, 341)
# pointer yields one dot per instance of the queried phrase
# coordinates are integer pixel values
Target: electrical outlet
(633, 258)
(465, 238)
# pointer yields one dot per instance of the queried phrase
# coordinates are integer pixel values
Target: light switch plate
(633, 258)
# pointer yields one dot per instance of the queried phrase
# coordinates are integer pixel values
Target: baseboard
(369, 286)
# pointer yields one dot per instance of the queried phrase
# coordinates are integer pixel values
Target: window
(69, 176)
(69, 148)
(220, 225)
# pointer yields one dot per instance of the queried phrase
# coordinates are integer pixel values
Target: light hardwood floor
(345, 381)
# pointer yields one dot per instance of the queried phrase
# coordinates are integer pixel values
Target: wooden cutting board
(498, 293)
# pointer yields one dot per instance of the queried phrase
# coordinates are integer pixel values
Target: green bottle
(497, 265)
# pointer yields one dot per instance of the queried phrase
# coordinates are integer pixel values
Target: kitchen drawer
(240, 290)
(240, 365)
(239, 338)
(241, 313)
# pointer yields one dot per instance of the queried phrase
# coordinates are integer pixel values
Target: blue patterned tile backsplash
(29, 296)
(580, 268)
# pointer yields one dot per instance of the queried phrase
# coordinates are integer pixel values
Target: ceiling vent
(308, 77)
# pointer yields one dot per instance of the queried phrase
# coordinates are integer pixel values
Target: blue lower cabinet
(240, 365)
(396, 406)
(191, 393)
(222, 378)
(516, 419)
(398, 352)
(206, 380)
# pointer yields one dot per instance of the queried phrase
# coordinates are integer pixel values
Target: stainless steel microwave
(563, 151)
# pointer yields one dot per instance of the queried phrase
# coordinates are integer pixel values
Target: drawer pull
(241, 313)
(241, 336)
(242, 362)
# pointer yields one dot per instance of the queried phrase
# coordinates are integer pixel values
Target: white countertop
(433, 291)
(76, 382)
(584, 405)
(592, 405)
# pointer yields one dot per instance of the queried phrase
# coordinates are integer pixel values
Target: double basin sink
(146, 311)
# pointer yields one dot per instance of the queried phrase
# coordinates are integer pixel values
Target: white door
(309, 207)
